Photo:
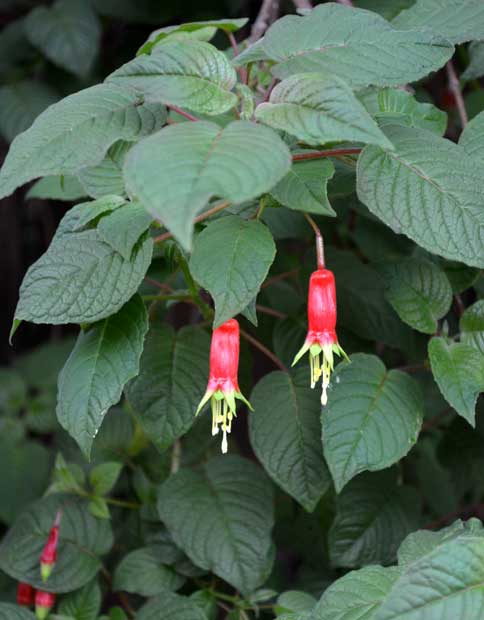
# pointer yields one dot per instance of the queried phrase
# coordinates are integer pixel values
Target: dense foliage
(206, 179)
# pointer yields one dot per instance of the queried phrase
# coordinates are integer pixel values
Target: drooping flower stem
(319, 241)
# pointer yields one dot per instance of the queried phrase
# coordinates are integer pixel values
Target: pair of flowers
(26, 594)
(321, 343)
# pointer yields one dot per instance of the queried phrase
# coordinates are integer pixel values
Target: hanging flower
(223, 387)
(49, 553)
(44, 601)
(25, 594)
(321, 340)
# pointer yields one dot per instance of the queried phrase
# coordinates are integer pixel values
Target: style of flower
(321, 340)
(49, 553)
(223, 387)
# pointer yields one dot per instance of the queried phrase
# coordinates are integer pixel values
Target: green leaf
(123, 228)
(247, 102)
(68, 33)
(358, 595)
(171, 607)
(20, 104)
(294, 601)
(391, 106)
(471, 138)
(188, 73)
(305, 187)
(221, 515)
(143, 572)
(383, 7)
(372, 419)
(419, 291)
(171, 382)
(87, 212)
(77, 132)
(472, 326)
(447, 582)
(65, 188)
(285, 434)
(99, 508)
(85, 604)
(176, 172)
(107, 177)
(14, 612)
(81, 279)
(82, 539)
(459, 371)
(372, 534)
(359, 46)
(231, 259)
(105, 358)
(428, 189)
(456, 21)
(228, 25)
(115, 438)
(475, 69)
(318, 109)
(27, 464)
(103, 477)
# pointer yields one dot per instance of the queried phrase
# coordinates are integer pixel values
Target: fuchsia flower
(223, 387)
(49, 553)
(25, 594)
(321, 338)
(44, 601)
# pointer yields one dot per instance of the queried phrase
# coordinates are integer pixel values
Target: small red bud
(44, 601)
(25, 594)
(49, 553)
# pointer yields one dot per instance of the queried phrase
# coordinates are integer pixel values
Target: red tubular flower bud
(223, 386)
(25, 594)
(44, 601)
(321, 338)
(49, 553)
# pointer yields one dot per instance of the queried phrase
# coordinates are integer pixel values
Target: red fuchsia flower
(223, 387)
(25, 594)
(44, 601)
(321, 339)
(49, 553)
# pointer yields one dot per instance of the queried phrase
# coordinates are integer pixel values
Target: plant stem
(269, 12)
(167, 297)
(233, 41)
(161, 285)
(346, 2)
(319, 241)
(253, 341)
(203, 216)
(330, 153)
(281, 276)
(175, 457)
(271, 311)
(204, 308)
(302, 4)
(181, 112)
(454, 86)
(122, 503)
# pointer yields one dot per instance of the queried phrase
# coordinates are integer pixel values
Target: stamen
(225, 445)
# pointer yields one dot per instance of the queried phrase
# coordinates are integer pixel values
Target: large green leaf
(85, 604)
(305, 187)
(80, 279)
(171, 607)
(65, 188)
(429, 189)
(105, 358)
(472, 137)
(144, 572)
(21, 103)
(221, 515)
(77, 132)
(356, 596)
(192, 28)
(419, 291)
(359, 46)
(392, 106)
(82, 539)
(445, 583)
(176, 172)
(123, 228)
(171, 382)
(472, 326)
(107, 177)
(14, 612)
(231, 259)
(285, 433)
(459, 371)
(372, 419)
(372, 534)
(188, 73)
(318, 109)
(457, 21)
(68, 33)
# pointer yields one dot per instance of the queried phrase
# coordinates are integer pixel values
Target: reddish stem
(321, 154)
(253, 341)
(454, 86)
(181, 112)
(203, 216)
(319, 241)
